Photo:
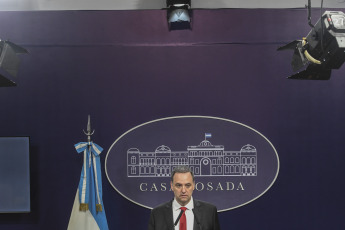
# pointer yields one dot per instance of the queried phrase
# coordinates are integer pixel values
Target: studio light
(179, 14)
(9, 62)
(322, 50)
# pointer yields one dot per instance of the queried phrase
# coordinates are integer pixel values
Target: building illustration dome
(248, 148)
(205, 143)
(163, 149)
(133, 150)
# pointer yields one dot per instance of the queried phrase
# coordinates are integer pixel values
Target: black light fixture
(9, 62)
(322, 50)
(179, 14)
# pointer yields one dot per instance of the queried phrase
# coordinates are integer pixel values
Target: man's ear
(171, 185)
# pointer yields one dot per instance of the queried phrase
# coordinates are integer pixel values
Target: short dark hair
(181, 169)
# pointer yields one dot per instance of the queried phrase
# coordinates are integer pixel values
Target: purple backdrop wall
(125, 68)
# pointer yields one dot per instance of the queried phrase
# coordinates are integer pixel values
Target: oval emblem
(233, 163)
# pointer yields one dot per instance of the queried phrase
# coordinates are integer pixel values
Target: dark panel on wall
(14, 175)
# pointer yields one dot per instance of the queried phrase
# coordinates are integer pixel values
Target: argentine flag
(208, 135)
(88, 210)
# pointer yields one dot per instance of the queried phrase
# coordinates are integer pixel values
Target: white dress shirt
(189, 214)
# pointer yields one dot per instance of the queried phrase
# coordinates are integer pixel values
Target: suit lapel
(195, 226)
(196, 209)
(169, 215)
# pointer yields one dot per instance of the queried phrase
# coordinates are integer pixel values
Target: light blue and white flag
(208, 135)
(88, 211)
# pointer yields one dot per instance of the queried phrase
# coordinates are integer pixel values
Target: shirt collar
(176, 206)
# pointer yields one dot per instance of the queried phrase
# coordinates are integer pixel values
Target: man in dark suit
(184, 212)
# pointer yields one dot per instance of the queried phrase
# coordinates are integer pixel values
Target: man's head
(182, 184)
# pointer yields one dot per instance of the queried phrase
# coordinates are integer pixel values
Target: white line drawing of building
(204, 159)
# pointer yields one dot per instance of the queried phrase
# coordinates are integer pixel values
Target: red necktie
(183, 220)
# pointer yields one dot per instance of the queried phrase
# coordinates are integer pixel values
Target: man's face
(182, 186)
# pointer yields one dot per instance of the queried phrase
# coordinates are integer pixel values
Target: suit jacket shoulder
(161, 217)
(206, 215)
(198, 203)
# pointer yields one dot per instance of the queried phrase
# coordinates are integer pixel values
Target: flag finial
(88, 132)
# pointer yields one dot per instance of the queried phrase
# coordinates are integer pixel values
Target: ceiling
(29, 5)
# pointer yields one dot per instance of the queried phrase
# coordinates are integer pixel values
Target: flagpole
(88, 211)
